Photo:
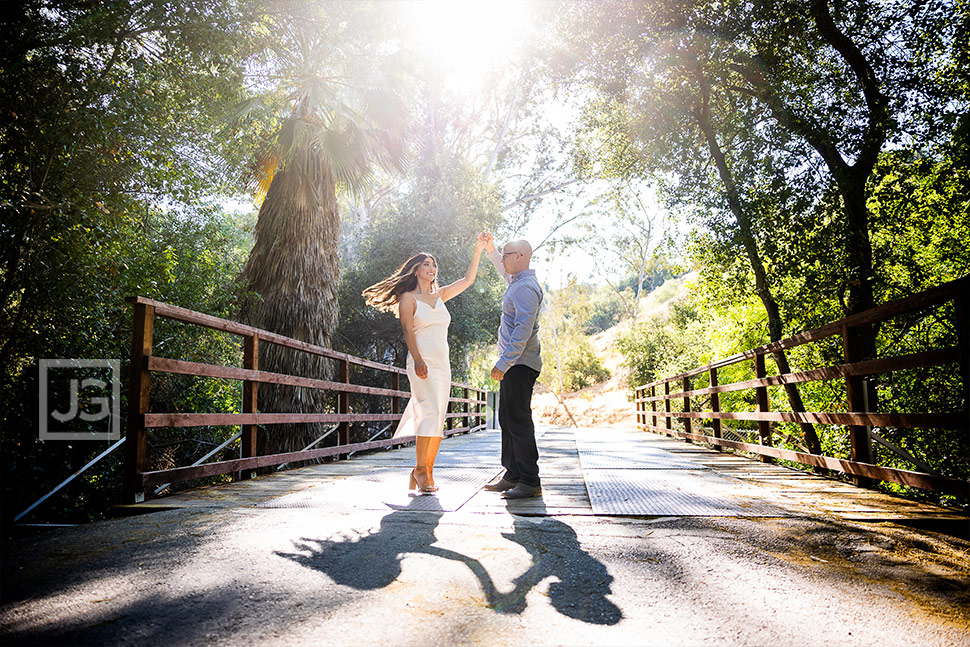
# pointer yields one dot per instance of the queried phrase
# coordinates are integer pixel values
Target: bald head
(516, 256)
(521, 246)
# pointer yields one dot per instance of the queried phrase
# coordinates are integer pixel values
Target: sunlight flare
(468, 38)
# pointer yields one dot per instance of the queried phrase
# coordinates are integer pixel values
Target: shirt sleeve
(496, 257)
(526, 302)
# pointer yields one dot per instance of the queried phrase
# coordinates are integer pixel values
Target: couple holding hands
(413, 292)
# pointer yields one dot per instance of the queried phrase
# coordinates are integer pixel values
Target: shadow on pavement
(583, 581)
(373, 561)
(197, 618)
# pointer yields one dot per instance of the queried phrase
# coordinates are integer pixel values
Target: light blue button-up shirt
(518, 333)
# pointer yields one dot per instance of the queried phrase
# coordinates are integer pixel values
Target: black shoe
(522, 491)
(500, 486)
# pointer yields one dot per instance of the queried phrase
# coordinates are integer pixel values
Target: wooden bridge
(380, 402)
(731, 551)
(638, 538)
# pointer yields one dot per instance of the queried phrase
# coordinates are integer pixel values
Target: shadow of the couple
(373, 560)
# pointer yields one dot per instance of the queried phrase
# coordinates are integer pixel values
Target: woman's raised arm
(454, 289)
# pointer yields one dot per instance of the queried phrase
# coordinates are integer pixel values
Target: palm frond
(264, 173)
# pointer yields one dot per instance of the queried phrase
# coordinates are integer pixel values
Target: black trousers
(520, 456)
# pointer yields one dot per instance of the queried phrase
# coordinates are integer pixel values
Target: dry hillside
(599, 404)
(608, 403)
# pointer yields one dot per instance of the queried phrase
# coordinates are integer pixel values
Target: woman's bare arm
(405, 310)
(454, 289)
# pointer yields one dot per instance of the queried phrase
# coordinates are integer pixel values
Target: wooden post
(715, 408)
(670, 424)
(480, 420)
(641, 394)
(764, 426)
(643, 408)
(249, 404)
(449, 422)
(467, 420)
(861, 446)
(636, 408)
(478, 408)
(637, 394)
(688, 428)
(653, 404)
(343, 406)
(962, 307)
(395, 400)
(136, 443)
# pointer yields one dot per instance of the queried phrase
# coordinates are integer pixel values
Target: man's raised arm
(496, 257)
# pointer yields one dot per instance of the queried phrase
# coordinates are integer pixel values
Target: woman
(413, 290)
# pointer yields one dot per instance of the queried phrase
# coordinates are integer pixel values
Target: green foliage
(921, 222)
(693, 329)
(568, 360)
(440, 215)
(113, 143)
(159, 255)
(580, 365)
(605, 309)
(919, 227)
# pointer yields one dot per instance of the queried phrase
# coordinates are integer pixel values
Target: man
(517, 368)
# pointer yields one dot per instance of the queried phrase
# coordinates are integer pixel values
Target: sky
(475, 37)
(471, 39)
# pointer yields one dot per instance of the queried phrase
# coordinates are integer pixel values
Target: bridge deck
(627, 473)
(731, 552)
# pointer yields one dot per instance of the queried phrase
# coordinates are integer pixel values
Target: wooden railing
(468, 411)
(858, 419)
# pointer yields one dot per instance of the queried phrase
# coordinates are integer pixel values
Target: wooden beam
(953, 290)
(208, 321)
(249, 403)
(761, 393)
(911, 420)
(181, 367)
(870, 367)
(667, 405)
(179, 474)
(343, 407)
(686, 404)
(957, 487)
(715, 406)
(861, 445)
(156, 420)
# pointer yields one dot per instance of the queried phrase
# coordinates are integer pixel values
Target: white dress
(425, 413)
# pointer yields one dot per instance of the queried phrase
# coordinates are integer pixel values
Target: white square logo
(80, 399)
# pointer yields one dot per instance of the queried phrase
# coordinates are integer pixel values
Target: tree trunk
(775, 323)
(292, 276)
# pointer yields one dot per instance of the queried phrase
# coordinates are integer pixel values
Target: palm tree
(343, 117)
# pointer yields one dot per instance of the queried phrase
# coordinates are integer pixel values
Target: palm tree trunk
(291, 277)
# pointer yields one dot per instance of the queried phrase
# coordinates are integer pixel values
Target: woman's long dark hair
(385, 295)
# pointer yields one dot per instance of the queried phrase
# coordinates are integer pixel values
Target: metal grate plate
(640, 458)
(674, 493)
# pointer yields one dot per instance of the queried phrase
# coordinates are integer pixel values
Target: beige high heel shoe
(419, 483)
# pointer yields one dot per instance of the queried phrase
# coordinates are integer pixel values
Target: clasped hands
(485, 241)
